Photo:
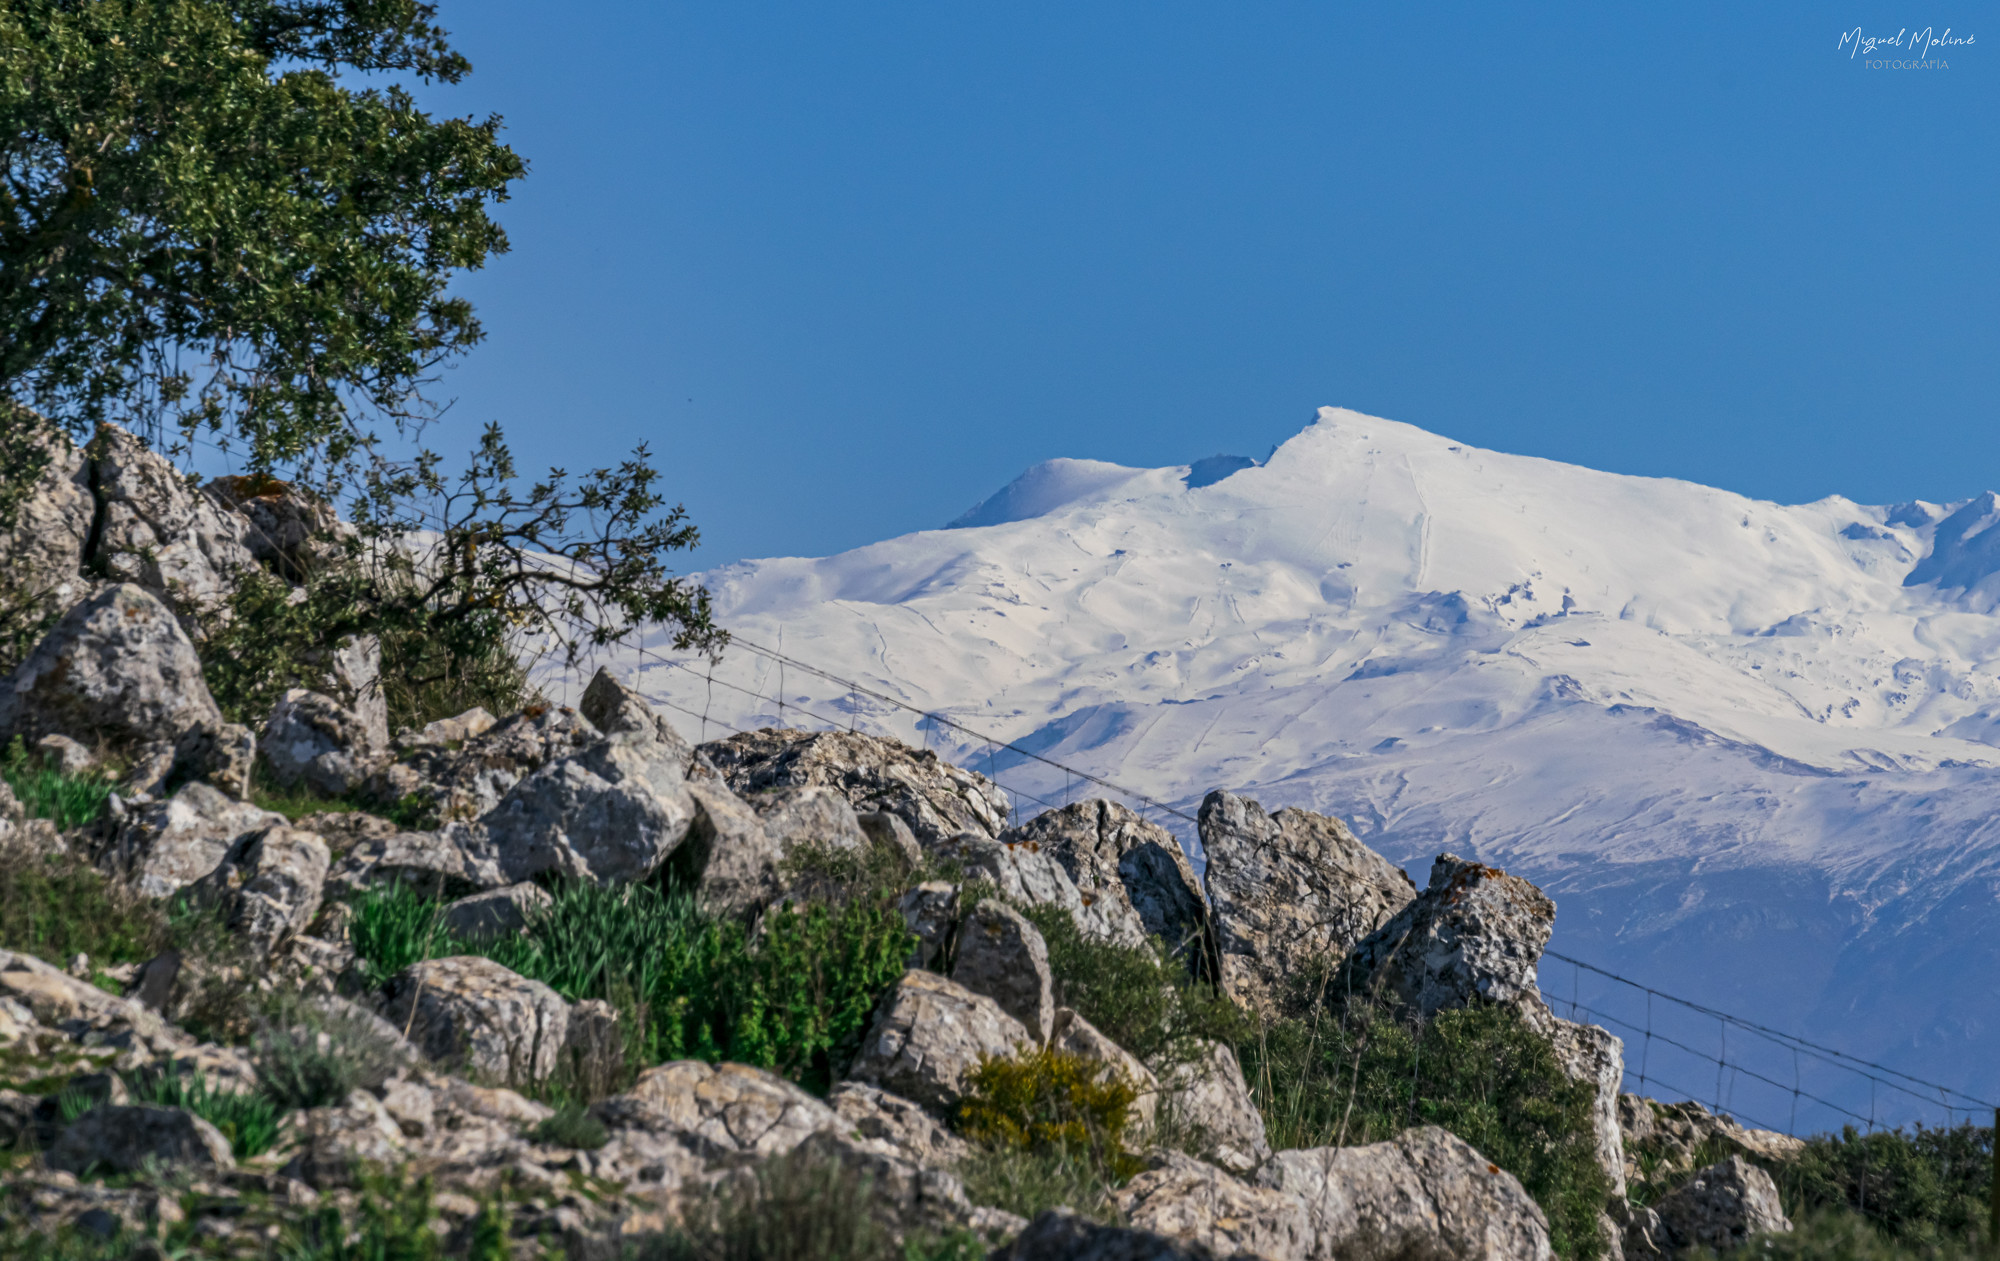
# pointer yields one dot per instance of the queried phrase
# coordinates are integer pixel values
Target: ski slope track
(1753, 750)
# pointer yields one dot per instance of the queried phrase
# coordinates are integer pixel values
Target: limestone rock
(612, 707)
(612, 811)
(935, 798)
(813, 817)
(312, 739)
(719, 1111)
(116, 669)
(288, 531)
(121, 1139)
(1289, 890)
(496, 912)
(1424, 1195)
(1060, 1235)
(157, 532)
(331, 1146)
(166, 846)
(1028, 875)
(1072, 1033)
(728, 858)
(269, 884)
(903, 1196)
(469, 1013)
(462, 778)
(929, 1035)
(44, 542)
(1001, 955)
(1208, 1098)
(885, 1118)
(71, 757)
(455, 730)
(1476, 933)
(930, 910)
(450, 863)
(1110, 853)
(1661, 1140)
(1588, 1053)
(1721, 1207)
(1193, 1202)
(890, 832)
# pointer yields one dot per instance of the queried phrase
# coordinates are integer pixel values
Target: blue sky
(850, 268)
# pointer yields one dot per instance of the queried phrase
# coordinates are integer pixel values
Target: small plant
(312, 1058)
(294, 802)
(797, 1207)
(1921, 1188)
(1024, 1181)
(395, 927)
(45, 791)
(1046, 1099)
(572, 1126)
(391, 1221)
(56, 906)
(249, 1120)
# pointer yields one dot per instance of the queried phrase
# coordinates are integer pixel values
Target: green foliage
(796, 1000)
(1338, 1080)
(204, 230)
(1027, 1180)
(312, 1058)
(391, 1221)
(68, 801)
(396, 926)
(249, 1120)
(297, 802)
(573, 1126)
(55, 906)
(1052, 1101)
(1922, 1188)
(1138, 996)
(797, 1207)
(1838, 1235)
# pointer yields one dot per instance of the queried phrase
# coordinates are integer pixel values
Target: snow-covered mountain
(1753, 750)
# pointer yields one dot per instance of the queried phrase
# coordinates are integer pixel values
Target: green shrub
(1046, 1100)
(313, 1058)
(1138, 996)
(395, 927)
(1028, 1180)
(68, 801)
(249, 1120)
(797, 1207)
(1839, 1235)
(1924, 1187)
(1478, 1072)
(55, 906)
(573, 1126)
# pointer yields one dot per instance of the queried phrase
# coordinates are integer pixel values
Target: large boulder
(612, 708)
(1192, 1202)
(453, 862)
(1719, 1209)
(813, 817)
(44, 540)
(154, 530)
(167, 845)
(1663, 1141)
(613, 811)
(1205, 1097)
(1111, 854)
(718, 1111)
(1288, 891)
(1424, 1195)
(117, 670)
(313, 739)
(469, 1013)
(929, 1035)
(935, 798)
(1001, 955)
(914, 1134)
(458, 769)
(732, 864)
(1027, 875)
(495, 912)
(269, 885)
(125, 1139)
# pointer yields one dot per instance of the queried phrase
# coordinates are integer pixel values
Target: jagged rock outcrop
(1475, 935)
(876, 1114)
(167, 845)
(1718, 1209)
(117, 670)
(286, 530)
(1001, 955)
(453, 862)
(1193, 1203)
(612, 707)
(727, 857)
(1288, 891)
(470, 1014)
(154, 530)
(930, 910)
(935, 798)
(44, 542)
(1424, 1195)
(1029, 875)
(268, 885)
(1669, 1137)
(52, 1021)
(1111, 854)
(929, 1035)
(459, 773)
(1207, 1099)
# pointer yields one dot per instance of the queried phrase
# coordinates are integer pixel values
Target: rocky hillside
(559, 981)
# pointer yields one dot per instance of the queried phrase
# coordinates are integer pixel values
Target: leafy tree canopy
(202, 229)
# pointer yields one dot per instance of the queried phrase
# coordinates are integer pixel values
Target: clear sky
(849, 268)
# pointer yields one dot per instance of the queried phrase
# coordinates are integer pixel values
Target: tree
(203, 230)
